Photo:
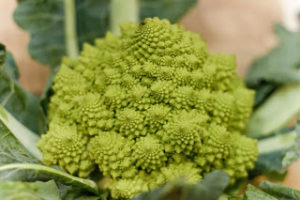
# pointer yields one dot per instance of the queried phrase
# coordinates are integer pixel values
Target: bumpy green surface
(147, 107)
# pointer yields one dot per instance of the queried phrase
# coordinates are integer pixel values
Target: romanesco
(147, 107)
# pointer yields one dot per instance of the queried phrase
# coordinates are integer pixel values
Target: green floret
(242, 157)
(156, 116)
(130, 123)
(91, 114)
(243, 97)
(112, 153)
(127, 188)
(64, 146)
(187, 170)
(147, 107)
(149, 153)
(182, 134)
(139, 97)
(216, 148)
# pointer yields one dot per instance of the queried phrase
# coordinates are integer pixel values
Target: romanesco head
(147, 107)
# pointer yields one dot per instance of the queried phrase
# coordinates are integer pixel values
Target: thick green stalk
(71, 41)
(275, 112)
(277, 143)
(122, 11)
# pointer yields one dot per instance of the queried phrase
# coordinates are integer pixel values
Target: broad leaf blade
(20, 103)
(280, 191)
(253, 193)
(170, 9)
(281, 65)
(264, 91)
(277, 153)
(269, 191)
(33, 172)
(26, 190)
(19, 157)
(44, 20)
(11, 127)
(278, 67)
(2, 54)
(92, 19)
(11, 150)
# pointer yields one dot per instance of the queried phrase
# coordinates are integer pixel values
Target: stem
(123, 11)
(71, 41)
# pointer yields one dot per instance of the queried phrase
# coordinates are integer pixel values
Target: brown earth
(243, 28)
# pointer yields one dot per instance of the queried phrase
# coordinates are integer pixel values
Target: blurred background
(240, 27)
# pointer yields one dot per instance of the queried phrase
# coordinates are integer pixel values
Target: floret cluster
(147, 107)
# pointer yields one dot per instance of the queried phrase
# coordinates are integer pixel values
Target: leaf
(252, 193)
(269, 191)
(276, 78)
(73, 193)
(210, 188)
(33, 172)
(233, 198)
(19, 157)
(2, 54)
(24, 190)
(278, 67)
(10, 67)
(281, 64)
(20, 103)
(7, 63)
(280, 191)
(170, 9)
(277, 153)
(44, 20)
(274, 114)
(17, 143)
(264, 91)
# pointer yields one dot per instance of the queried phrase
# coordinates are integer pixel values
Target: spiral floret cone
(152, 102)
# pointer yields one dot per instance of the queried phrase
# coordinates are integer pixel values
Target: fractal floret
(149, 106)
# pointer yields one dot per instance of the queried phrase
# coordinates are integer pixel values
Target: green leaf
(233, 198)
(278, 67)
(73, 193)
(210, 188)
(10, 67)
(2, 54)
(32, 172)
(252, 193)
(280, 191)
(274, 114)
(170, 9)
(269, 191)
(276, 78)
(10, 190)
(281, 64)
(20, 103)
(264, 91)
(19, 157)
(277, 153)
(17, 144)
(44, 20)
